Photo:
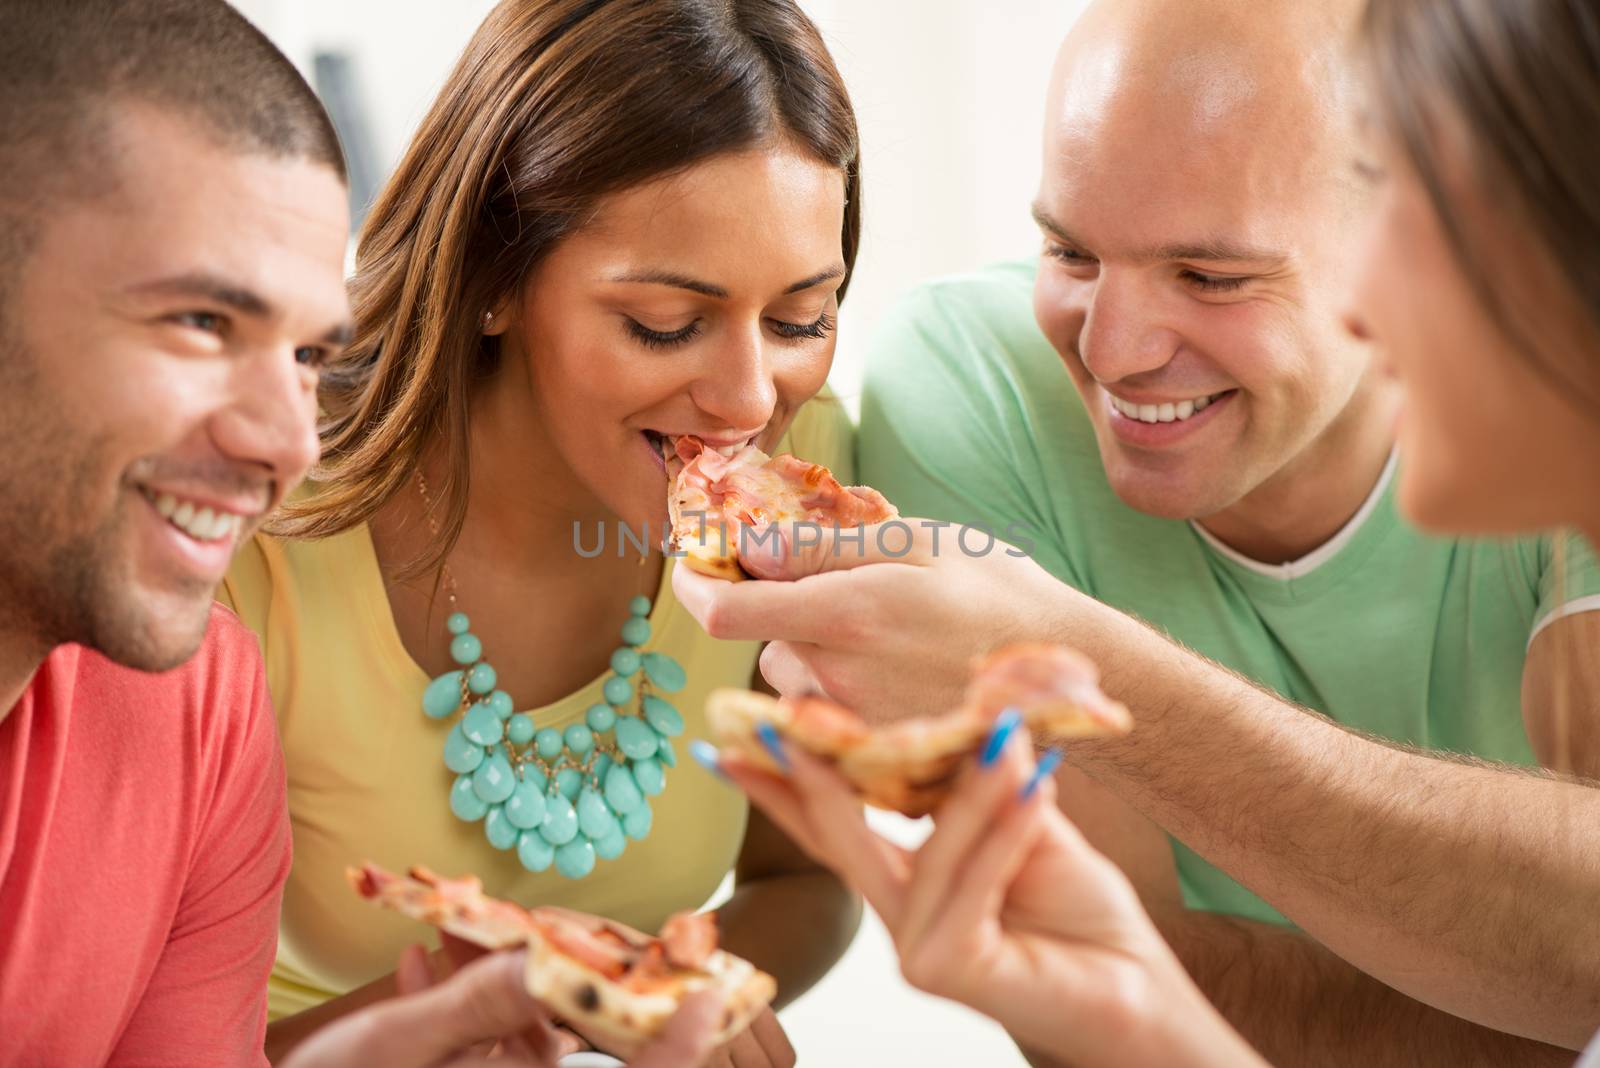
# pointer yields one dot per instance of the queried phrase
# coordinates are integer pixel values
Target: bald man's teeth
(1162, 413)
(198, 521)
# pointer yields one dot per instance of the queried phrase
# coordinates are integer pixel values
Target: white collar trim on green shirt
(1297, 569)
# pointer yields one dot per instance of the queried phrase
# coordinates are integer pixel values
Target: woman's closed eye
(662, 339)
(817, 329)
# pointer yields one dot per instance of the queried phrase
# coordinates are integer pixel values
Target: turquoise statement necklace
(556, 797)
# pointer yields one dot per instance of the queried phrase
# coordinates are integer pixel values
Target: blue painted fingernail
(1047, 766)
(1005, 725)
(707, 756)
(769, 738)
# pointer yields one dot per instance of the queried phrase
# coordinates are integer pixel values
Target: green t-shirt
(969, 416)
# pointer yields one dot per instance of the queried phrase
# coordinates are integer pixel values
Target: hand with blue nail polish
(705, 754)
(768, 734)
(1005, 725)
(1008, 909)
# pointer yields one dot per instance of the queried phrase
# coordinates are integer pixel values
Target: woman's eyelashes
(816, 330)
(819, 328)
(657, 339)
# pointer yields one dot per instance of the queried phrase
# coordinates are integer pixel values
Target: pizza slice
(910, 766)
(612, 983)
(716, 501)
(458, 906)
(619, 987)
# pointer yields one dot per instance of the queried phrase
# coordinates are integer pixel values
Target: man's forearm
(794, 926)
(1303, 1007)
(1471, 888)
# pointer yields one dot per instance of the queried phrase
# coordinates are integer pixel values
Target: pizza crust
(624, 1020)
(911, 765)
(622, 1013)
(456, 906)
(908, 767)
(712, 559)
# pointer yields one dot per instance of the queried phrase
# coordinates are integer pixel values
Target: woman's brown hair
(553, 105)
(1521, 80)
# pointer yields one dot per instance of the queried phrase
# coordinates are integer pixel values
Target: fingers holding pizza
(616, 987)
(910, 766)
(482, 1016)
(878, 612)
(1005, 907)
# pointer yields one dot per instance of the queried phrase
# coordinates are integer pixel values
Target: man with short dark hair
(173, 215)
(172, 237)
(172, 223)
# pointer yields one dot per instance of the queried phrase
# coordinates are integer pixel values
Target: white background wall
(950, 98)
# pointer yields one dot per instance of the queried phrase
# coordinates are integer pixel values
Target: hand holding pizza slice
(613, 984)
(910, 766)
(718, 501)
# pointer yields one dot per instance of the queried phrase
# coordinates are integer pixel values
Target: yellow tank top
(367, 780)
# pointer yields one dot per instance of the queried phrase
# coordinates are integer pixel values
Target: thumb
(485, 1000)
(688, 1037)
(794, 550)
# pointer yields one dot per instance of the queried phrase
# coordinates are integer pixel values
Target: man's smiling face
(159, 347)
(1195, 211)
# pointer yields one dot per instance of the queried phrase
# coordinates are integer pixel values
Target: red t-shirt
(144, 841)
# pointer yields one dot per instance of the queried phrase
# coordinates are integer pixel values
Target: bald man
(1164, 412)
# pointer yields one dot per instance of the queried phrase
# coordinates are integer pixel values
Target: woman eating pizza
(1481, 287)
(620, 224)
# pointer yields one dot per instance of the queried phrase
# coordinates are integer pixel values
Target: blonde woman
(620, 222)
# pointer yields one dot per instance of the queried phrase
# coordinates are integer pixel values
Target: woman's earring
(488, 318)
